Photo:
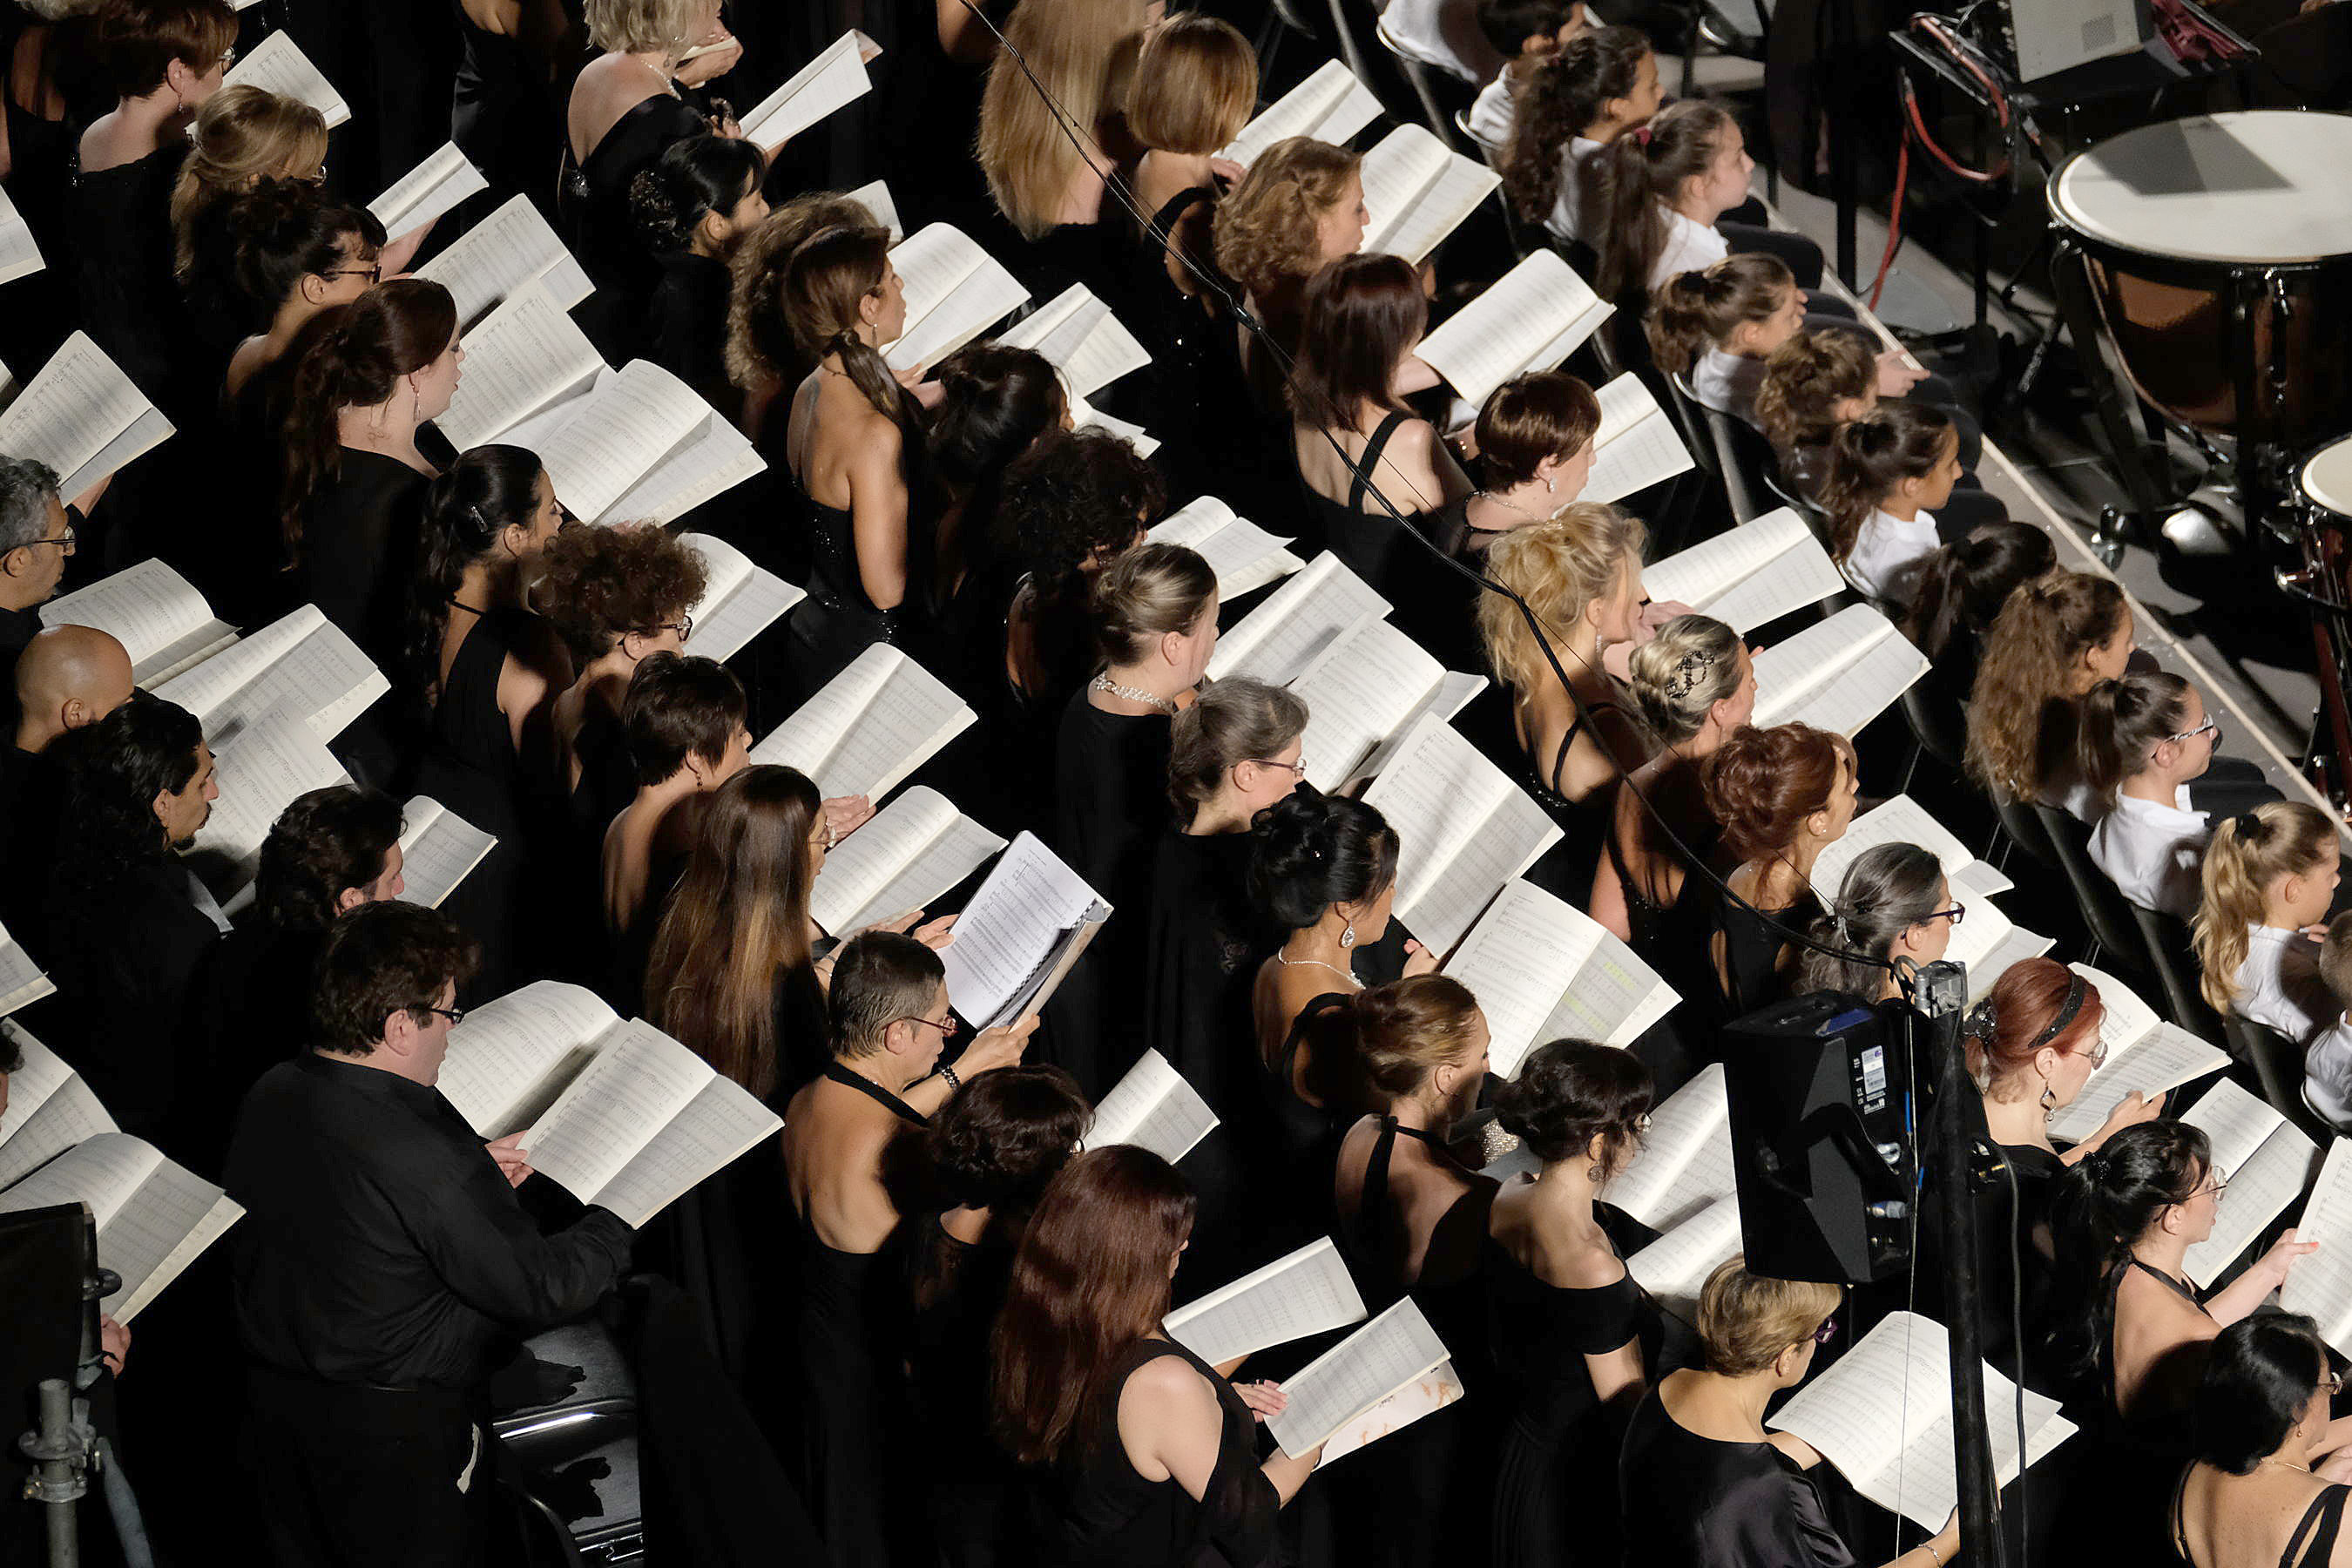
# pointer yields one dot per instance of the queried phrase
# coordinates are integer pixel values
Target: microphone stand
(1938, 996)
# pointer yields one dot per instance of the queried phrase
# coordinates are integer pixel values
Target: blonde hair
(242, 134)
(631, 26)
(1409, 1028)
(1146, 593)
(1265, 228)
(1195, 84)
(2022, 717)
(1678, 676)
(2248, 853)
(761, 351)
(1029, 140)
(1559, 567)
(1746, 1320)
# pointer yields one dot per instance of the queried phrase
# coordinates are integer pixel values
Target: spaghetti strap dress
(470, 766)
(1099, 1513)
(1566, 868)
(1370, 543)
(851, 1329)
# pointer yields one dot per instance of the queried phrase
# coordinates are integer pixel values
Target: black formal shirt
(124, 954)
(17, 627)
(380, 1243)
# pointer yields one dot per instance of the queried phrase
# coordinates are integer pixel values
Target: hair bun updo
(1571, 1092)
(1314, 850)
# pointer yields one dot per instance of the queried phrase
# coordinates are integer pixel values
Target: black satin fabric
(1694, 1502)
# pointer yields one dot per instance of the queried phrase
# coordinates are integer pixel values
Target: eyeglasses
(64, 542)
(374, 275)
(683, 627)
(1298, 769)
(2098, 1055)
(316, 176)
(455, 1016)
(1821, 1335)
(2211, 727)
(947, 1028)
(824, 842)
(2218, 1176)
(2333, 1383)
(229, 57)
(1953, 914)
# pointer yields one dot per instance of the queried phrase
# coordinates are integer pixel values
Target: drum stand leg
(2144, 467)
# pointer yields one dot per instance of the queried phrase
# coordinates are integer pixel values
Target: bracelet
(954, 1082)
(1930, 1548)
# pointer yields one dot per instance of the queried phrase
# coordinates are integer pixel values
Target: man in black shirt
(35, 537)
(66, 677)
(383, 1266)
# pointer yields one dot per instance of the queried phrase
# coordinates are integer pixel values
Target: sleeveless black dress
(2311, 1545)
(471, 767)
(1702, 1502)
(1370, 543)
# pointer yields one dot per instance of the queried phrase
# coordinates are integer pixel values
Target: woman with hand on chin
(1704, 1484)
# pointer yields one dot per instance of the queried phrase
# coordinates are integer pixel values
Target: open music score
(1838, 675)
(1418, 192)
(739, 600)
(157, 615)
(303, 663)
(512, 246)
(954, 292)
(1387, 1355)
(438, 849)
(1330, 106)
(1674, 1267)
(904, 855)
(1463, 829)
(525, 356)
(1152, 1107)
(1683, 1166)
(1026, 925)
(639, 446)
(50, 1108)
(1637, 447)
(877, 200)
(1530, 319)
(260, 771)
(1078, 336)
(1278, 641)
(1364, 694)
(22, 983)
(1244, 556)
(2320, 1284)
(20, 255)
(1308, 1292)
(154, 1217)
(82, 416)
(429, 192)
(2269, 1163)
(1750, 574)
(1544, 970)
(2142, 1053)
(277, 65)
(833, 80)
(872, 725)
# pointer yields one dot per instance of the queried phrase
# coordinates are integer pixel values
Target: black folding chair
(2277, 1062)
(2114, 935)
(2174, 958)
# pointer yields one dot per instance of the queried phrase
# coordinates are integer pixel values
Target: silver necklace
(1509, 505)
(1103, 682)
(1348, 976)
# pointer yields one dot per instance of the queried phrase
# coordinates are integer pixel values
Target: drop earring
(1551, 487)
(2049, 1100)
(1347, 935)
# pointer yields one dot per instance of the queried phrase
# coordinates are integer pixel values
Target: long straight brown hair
(738, 922)
(1090, 1279)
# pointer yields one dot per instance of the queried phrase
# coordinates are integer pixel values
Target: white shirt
(1493, 115)
(1689, 248)
(1441, 33)
(1727, 382)
(2327, 1074)
(1567, 220)
(2153, 853)
(1889, 554)
(2279, 986)
(2068, 790)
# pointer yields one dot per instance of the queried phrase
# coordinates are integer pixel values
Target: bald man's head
(66, 678)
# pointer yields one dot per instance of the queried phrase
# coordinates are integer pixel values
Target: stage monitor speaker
(1821, 1121)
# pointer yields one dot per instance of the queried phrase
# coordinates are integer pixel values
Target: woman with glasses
(294, 253)
(2269, 1484)
(1704, 1484)
(2147, 747)
(1893, 906)
(1573, 1335)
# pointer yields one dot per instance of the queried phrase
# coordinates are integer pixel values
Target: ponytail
(486, 490)
(824, 283)
(2248, 853)
(1887, 889)
(1963, 584)
(2021, 710)
(1563, 97)
(762, 354)
(352, 356)
(1635, 180)
(1804, 381)
(2125, 720)
(1871, 456)
(1695, 312)
(2099, 1209)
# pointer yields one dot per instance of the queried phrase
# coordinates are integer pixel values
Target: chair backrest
(1434, 100)
(1941, 732)
(1696, 434)
(2277, 1062)
(2170, 953)
(2104, 909)
(1746, 465)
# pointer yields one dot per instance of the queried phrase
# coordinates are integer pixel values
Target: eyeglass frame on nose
(66, 541)
(948, 1027)
(1298, 768)
(2211, 726)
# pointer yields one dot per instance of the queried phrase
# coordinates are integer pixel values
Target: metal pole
(1940, 994)
(1840, 76)
(59, 1451)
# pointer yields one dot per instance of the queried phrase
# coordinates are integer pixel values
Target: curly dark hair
(1004, 1135)
(1561, 97)
(383, 959)
(115, 769)
(1075, 496)
(1569, 1093)
(325, 841)
(597, 585)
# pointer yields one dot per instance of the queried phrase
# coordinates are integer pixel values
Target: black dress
(1566, 870)
(121, 221)
(1101, 1514)
(501, 113)
(1110, 803)
(1554, 1489)
(851, 1329)
(955, 1288)
(836, 622)
(471, 767)
(1366, 539)
(359, 530)
(1700, 1502)
(685, 327)
(603, 231)
(1753, 941)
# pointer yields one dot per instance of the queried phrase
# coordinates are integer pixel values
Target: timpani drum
(2324, 478)
(2218, 255)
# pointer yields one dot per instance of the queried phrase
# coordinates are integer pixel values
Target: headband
(2075, 992)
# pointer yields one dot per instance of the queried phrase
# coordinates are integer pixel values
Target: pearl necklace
(1103, 682)
(1348, 976)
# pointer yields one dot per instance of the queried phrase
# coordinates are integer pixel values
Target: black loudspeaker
(1821, 1112)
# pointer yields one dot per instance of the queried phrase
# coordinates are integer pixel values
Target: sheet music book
(2269, 1163)
(1329, 106)
(1391, 1352)
(1684, 1161)
(20, 255)
(904, 855)
(512, 246)
(513, 1056)
(303, 663)
(1674, 1267)
(2017, 946)
(50, 1108)
(742, 601)
(1838, 675)
(429, 192)
(269, 762)
(1244, 556)
(438, 849)
(877, 199)
(153, 1216)
(1079, 337)
(2144, 1053)
(833, 80)
(1085, 415)
(1028, 923)
(2320, 1284)
(1903, 820)
(712, 459)
(1308, 1292)
(1883, 1414)
(1544, 970)
(1276, 642)
(82, 416)
(639, 446)
(1418, 192)
(526, 356)
(277, 65)
(1433, 1390)
(22, 983)
(1366, 691)
(157, 615)
(1530, 319)
(1750, 574)
(1464, 830)
(1152, 1108)
(955, 292)
(872, 725)
(1636, 446)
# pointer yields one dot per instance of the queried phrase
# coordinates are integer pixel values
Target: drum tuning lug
(2108, 539)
